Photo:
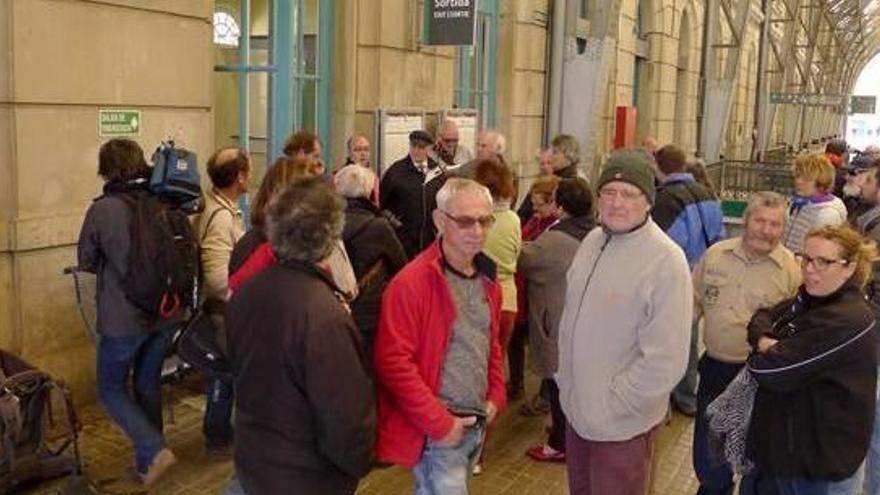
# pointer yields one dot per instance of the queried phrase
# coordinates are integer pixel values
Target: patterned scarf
(729, 416)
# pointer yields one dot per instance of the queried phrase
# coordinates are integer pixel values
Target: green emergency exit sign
(113, 122)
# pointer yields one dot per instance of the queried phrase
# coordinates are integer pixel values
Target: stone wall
(62, 62)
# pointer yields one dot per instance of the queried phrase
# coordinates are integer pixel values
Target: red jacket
(414, 330)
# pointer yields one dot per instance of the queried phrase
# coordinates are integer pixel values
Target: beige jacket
(624, 333)
(217, 228)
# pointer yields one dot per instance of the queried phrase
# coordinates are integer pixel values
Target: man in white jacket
(624, 334)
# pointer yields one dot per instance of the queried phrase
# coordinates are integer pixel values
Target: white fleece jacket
(625, 332)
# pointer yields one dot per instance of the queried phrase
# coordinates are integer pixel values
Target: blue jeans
(447, 470)
(872, 463)
(685, 394)
(137, 409)
(217, 425)
(715, 475)
(799, 486)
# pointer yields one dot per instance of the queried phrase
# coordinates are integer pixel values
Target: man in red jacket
(438, 356)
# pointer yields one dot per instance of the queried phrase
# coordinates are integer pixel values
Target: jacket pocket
(546, 324)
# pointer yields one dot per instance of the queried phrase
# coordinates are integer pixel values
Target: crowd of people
(384, 320)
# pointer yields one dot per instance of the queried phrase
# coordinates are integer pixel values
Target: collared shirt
(729, 287)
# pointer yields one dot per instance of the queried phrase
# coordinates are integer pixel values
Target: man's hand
(491, 412)
(765, 343)
(453, 438)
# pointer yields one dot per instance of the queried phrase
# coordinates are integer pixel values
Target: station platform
(108, 456)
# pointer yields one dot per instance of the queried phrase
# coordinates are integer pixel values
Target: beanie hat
(632, 166)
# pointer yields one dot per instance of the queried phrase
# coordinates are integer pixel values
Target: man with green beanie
(623, 336)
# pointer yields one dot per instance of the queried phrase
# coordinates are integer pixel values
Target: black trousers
(556, 438)
(516, 357)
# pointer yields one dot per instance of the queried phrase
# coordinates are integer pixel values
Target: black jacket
(305, 418)
(376, 256)
(245, 247)
(404, 192)
(577, 227)
(814, 409)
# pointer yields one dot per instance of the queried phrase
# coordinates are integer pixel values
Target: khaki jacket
(217, 228)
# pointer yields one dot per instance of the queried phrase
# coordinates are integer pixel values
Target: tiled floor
(507, 470)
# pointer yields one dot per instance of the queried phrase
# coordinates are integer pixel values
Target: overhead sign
(863, 104)
(810, 100)
(113, 122)
(450, 22)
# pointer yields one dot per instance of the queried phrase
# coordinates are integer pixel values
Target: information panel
(392, 134)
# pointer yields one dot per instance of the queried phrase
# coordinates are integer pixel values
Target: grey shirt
(465, 378)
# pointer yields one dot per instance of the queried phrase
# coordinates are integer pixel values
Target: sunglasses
(469, 222)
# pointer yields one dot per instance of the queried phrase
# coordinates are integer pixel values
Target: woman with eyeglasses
(815, 361)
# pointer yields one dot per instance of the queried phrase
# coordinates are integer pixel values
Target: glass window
(226, 30)
(475, 66)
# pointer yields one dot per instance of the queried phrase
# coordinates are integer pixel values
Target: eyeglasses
(819, 263)
(469, 222)
(605, 193)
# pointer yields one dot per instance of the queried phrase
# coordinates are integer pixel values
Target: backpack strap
(210, 221)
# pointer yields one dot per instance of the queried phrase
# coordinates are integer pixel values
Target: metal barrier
(736, 179)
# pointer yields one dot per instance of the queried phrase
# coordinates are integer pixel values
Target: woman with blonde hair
(815, 363)
(813, 205)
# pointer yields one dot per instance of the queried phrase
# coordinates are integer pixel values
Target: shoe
(536, 406)
(545, 453)
(478, 469)
(161, 462)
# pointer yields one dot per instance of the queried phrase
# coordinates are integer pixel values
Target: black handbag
(198, 346)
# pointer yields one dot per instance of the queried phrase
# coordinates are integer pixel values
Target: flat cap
(420, 137)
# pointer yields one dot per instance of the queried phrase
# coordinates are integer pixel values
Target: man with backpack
(142, 252)
(691, 215)
(218, 228)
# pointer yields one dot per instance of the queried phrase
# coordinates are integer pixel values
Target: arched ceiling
(858, 29)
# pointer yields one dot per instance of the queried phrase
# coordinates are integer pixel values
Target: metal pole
(244, 55)
(704, 60)
(557, 52)
(759, 139)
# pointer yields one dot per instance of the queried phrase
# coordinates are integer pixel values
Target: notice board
(392, 134)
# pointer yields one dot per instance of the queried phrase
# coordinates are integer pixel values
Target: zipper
(590, 275)
(424, 216)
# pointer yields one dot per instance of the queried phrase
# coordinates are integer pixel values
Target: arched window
(226, 30)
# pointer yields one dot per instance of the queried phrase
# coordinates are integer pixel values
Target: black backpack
(163, 259)
(27, 451)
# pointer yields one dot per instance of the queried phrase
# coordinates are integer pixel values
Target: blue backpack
(175, 176)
